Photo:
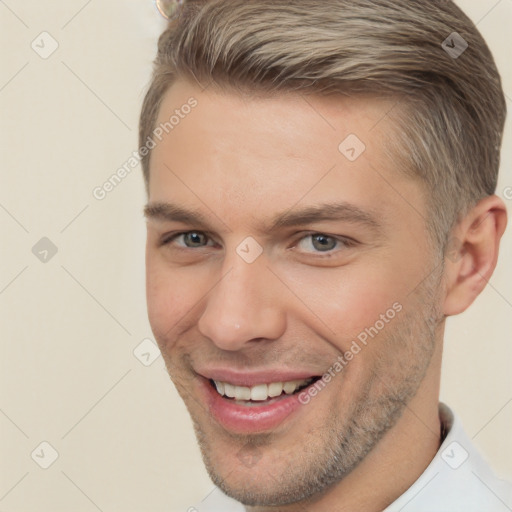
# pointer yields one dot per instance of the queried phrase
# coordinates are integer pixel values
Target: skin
(241, 161)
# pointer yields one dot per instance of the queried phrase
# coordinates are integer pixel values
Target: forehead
(241, 157)
(290, 116)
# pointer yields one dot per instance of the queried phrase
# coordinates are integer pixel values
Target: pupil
(194, 239)
(323, 243)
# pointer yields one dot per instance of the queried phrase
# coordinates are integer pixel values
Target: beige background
(69, 326)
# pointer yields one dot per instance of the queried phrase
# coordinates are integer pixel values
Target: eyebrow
(168, 212)
(341, 211)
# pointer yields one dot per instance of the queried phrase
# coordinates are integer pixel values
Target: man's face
(277, 255)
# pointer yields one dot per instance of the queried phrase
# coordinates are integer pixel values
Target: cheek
(346, 301)
(171, 297)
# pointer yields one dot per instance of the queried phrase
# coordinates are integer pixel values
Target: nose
(242, 308)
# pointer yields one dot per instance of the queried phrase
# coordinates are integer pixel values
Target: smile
(260, 392)
(245, 403)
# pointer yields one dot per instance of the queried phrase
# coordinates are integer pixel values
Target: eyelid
(344, 240)
(168, 238)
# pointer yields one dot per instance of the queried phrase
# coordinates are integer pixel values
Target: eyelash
(345, 242)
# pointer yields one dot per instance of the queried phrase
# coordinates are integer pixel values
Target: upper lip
(251, 378)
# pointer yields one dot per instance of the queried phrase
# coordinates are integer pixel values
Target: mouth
(260, 394)
(254, 408)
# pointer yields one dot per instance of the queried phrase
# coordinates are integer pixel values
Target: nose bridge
(240, 307)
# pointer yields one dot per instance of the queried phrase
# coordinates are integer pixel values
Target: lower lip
(249, 419)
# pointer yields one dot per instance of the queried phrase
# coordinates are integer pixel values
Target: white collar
(457, 479)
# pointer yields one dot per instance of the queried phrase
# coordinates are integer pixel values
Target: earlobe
(471, 255)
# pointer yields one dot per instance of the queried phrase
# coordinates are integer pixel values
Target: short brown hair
(450, 109)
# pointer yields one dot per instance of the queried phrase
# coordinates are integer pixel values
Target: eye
(319, 242)
(189, 239)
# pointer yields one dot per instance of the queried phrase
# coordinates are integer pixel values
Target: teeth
(259, 392)
(220, 387)
(275, 389)
(229, 390)
(289, 387)
(242, 393)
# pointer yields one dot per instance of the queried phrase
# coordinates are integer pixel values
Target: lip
(253, 378)
(243, 419)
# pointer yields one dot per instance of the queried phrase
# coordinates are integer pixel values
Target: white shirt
(457, 480)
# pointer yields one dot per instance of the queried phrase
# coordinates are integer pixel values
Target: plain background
(70, 325)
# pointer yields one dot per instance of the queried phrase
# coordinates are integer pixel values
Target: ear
(472, 253)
